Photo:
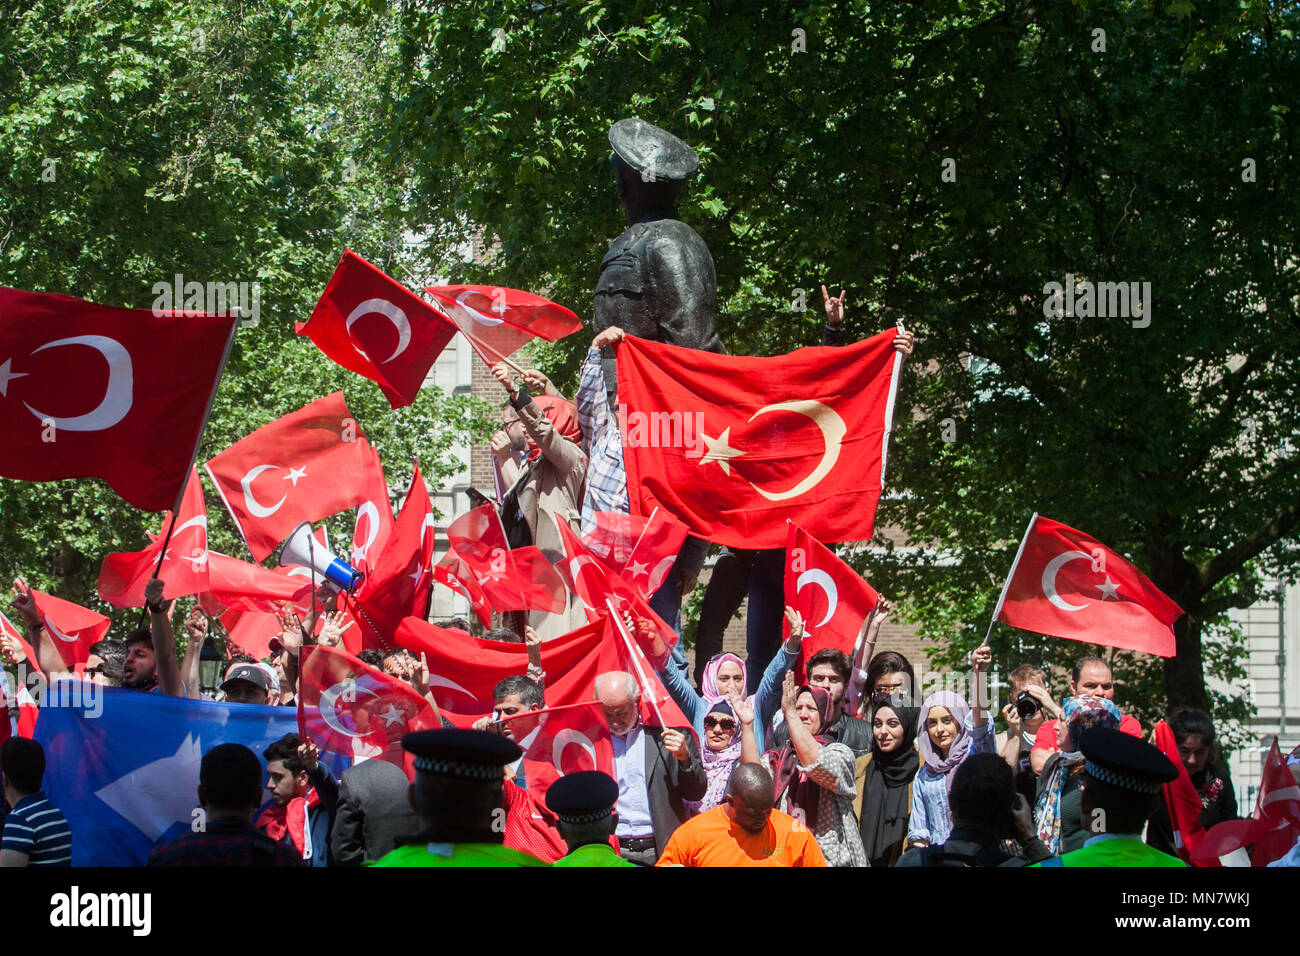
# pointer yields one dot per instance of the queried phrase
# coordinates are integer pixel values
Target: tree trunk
(1184, 676)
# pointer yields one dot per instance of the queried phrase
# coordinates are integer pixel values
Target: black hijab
(885, 803)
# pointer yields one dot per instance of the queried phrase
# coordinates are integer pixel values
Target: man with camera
(1031, 704)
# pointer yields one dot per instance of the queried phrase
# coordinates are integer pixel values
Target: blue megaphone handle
(342, 574)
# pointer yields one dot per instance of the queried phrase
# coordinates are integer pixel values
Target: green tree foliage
(227, 143)
(823, 129)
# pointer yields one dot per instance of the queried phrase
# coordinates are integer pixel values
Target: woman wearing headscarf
(1188, 737)
(947, 732)
(884, 778)
(813, 775)
(720, 747)
(1059, 808)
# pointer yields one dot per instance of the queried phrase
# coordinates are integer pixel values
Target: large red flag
(1067, 584)
(310, 464)
(570, 739)
(123, 576)
(1270, 833)
(241, 585)
(599, 589)
(640, 550)
(373, 325)
(833, 598)
(88, 390)
(498, 321)
(401, 579)
(464, 670)
(735, 445)
(343, 703)
(516, 580)
(452, 571)
(73, 628)
(658, 709)
(1181, 799)
(374, 519)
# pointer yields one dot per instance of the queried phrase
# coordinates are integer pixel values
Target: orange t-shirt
(713, 839)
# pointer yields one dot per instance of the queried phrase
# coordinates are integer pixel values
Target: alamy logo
(215, 298)
(77, 909)
(1125, 300)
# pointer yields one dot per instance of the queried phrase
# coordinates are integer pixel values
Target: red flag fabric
(833, 598)
(516, 580)
(658, 709)
(597, 588)
(344, 704)
(308, 465)
(463, 670)
(570, 739)
(735, 445)
(1067, 584)
(497, 321)
(22, 699)
(373, 325)
(90, 391)
(400, 583)
(72, 627)
(1270, 833)
(1181, 799)
(452, 571)
(251, 587)
(640, 550)
(123, 576)
(251, 631)
(374, 519)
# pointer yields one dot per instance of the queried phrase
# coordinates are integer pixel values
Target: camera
(1026, 705)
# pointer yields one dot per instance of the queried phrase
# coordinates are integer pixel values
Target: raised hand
(502, 375)
(795, 620)
(25, 604)
(539, 383)
(610, 336)
(332, 629)
(675, 744)
(789, 694)
(10, 649)
(196, 625)
(834, 306)
(982, 657)
(153, 593)
(743, 710)
(904, 341)
(290, 627)
(420, 676)
(309, 754)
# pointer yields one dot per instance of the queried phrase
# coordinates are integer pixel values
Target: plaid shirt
(606, 488)
(226, 842)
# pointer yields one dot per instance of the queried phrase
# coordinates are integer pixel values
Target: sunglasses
(726, 723)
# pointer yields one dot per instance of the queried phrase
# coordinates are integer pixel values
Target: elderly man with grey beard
(657, 769)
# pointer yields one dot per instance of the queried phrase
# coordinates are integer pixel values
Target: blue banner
(123, 765)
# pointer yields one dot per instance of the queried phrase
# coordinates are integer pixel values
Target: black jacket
(373, 813)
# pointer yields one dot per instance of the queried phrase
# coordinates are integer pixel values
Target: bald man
(744, 831)
(657, 770)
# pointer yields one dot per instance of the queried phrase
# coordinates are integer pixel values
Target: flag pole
(1010, 574)
(194, 452)
(479, 343)
(636, 661)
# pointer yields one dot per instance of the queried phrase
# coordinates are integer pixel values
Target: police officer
(584, 803)
(457, 794)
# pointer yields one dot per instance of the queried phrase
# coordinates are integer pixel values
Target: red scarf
(292, 819)
(564, 417)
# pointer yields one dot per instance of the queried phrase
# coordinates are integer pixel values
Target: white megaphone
(302, 549)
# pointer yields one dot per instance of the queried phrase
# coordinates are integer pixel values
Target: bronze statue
(657, 280)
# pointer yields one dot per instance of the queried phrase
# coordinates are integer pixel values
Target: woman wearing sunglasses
(720, 751)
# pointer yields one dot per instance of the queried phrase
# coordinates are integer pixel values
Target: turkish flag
(497, 321)
(373, 325)
(308, 465)
(1067, 584)
(251, 631)
(597, 588)
(464, 670)
(454, 572)
(28, 710)
(374, 519)
(1270, 833)
(833, 598)
(1181, 799)
(570, 739)
(73, 628)
(184, 570)
(401, 580)
(734, 445)
(92, 391)
(658, 709)
(516, 580)
(640, 550)
(242, 585)
(343, 702)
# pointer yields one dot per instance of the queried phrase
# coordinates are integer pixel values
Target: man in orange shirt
(743, 831)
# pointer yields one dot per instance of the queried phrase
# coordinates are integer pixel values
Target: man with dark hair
(503, 634)
(986, 812)
(1030, 705)
(230, 790)
(372, 656)
(1122, 777)
(104, 662)
(305, 797)
(35, 832)
(1091, 677)
(458, 795)
(514, 695)
(157, 659)
(745, 830)
(583, 803)
(139, 669)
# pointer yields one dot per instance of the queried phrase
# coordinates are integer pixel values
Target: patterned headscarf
(786, 774)
(717, 764)
(943, 766)
(709, 679)
(1060, 765)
